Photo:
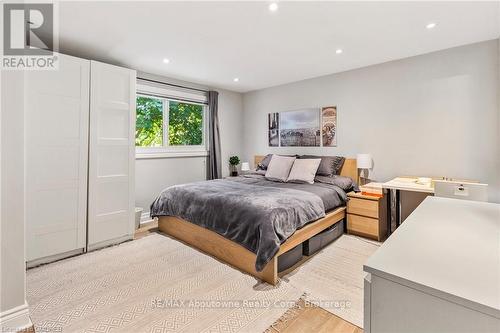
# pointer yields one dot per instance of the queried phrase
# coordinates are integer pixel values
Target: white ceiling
(213, 42)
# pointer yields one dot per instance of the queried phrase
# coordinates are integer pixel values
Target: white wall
(435, 114)
(13, 308)
(154, 175)
(230, 126)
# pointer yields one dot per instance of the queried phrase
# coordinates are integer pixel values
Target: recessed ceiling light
(338, 51)
(273, 7)
(166, 61)
(236, 79)
(431, 25)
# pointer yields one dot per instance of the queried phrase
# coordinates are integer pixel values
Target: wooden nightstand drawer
(363, 207)
(365, 226)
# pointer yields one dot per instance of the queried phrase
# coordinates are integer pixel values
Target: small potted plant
(233, 162)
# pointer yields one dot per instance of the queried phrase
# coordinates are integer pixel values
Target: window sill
(170, 154)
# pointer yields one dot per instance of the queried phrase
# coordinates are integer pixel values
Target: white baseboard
(109, 242)
(56, 257)
(145, 218)
(15, 319)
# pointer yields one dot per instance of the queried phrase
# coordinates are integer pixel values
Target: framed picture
(300, 128)
(273, 121)
(329, 126)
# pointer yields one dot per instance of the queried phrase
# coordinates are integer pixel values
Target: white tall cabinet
(56, 139)
(79, 137)
(112, 154)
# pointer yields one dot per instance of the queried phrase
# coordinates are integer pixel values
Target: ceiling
(211, 43)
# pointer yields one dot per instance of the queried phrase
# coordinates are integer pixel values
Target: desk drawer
(364, 226)
(363, 207)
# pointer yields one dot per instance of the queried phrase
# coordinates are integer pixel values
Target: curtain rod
(173, 85)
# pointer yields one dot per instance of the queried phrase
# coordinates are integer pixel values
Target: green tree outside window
(149, 122)
(185, 123)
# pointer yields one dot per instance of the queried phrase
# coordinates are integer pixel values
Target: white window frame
(167, 95)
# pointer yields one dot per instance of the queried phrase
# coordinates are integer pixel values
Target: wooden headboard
(349, 169)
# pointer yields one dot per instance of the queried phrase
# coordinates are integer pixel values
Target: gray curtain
(214, 158)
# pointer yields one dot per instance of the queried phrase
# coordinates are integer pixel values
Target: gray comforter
(251, 211)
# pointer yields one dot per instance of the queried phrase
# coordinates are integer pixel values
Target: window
(165, 125)
(185, 124)
(149, 122)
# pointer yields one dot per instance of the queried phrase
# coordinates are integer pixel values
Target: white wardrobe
(80, 155)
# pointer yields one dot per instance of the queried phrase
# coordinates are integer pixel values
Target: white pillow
(279, 168)
(304, 171)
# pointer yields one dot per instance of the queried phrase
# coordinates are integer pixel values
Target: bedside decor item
(365, 163)
(233, 163)
(424, 181)
(245, 167)
(374, 189)
(329, 126)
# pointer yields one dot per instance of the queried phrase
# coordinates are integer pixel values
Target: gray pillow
(265, 162)
(279, 168)
(303, 171)
(344, 183)
(329, 166)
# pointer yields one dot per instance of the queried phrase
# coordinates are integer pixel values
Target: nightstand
(367, 216)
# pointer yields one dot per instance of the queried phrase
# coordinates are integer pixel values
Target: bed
(257, 256)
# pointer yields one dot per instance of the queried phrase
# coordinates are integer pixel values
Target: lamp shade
(364, 161)
(245, 166)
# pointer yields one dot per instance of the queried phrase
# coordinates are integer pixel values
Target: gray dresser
(439, 272)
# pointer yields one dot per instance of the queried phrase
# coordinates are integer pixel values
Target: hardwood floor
(313, 319)
(146, 229)
(303, 319)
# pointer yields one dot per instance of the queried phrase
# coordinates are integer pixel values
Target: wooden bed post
(270, 272)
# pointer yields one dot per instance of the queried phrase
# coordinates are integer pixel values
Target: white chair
(461, 190)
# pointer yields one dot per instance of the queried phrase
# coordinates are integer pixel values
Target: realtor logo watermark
(29, 36)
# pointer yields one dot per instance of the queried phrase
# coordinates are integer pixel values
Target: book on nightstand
(374, 189)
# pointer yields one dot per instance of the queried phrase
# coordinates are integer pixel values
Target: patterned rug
(333, 279)
(156, 284)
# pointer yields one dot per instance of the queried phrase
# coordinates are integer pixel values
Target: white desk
(394, 187)
(438, 272)
(407, 184)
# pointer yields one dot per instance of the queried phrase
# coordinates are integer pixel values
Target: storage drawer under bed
(289, 258)
(321, 240)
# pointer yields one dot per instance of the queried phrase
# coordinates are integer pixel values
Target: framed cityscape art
(309, 127)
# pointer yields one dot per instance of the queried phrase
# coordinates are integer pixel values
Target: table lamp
(364, 163)
(245, 166)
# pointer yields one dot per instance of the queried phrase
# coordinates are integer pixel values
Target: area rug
(154, 284)
(157, 284)
(333, 278)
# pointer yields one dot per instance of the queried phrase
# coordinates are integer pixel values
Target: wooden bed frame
(238, 256)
